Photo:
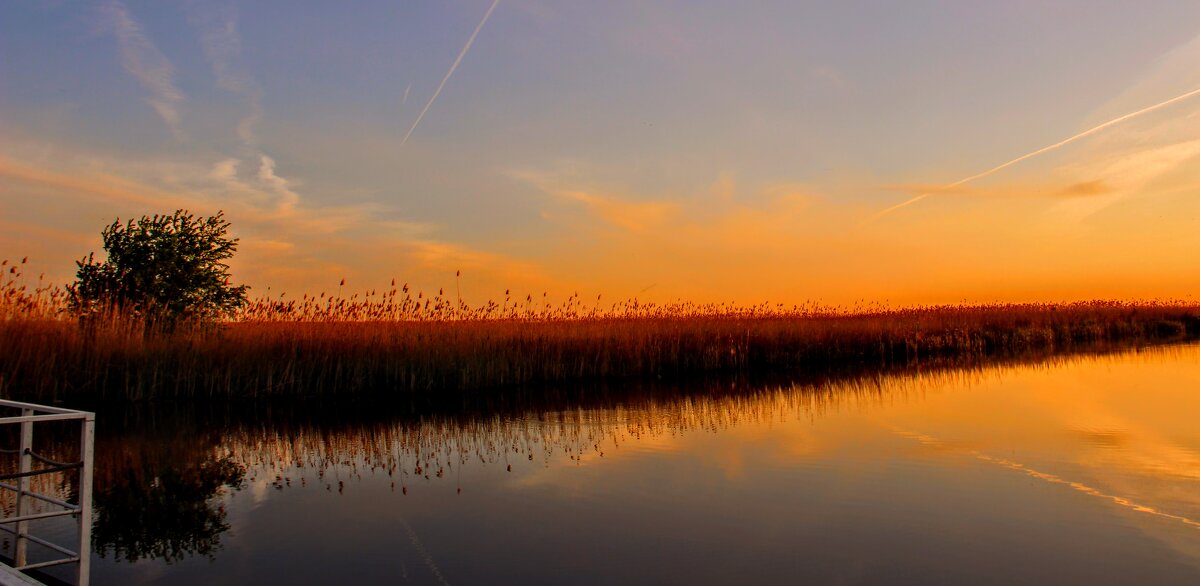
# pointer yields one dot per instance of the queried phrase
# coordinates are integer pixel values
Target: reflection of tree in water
(170, 516)
(156, 486)
(157, 478)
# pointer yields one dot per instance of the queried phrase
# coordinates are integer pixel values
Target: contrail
(1088, 132)
(1054, 479)
(461, 54)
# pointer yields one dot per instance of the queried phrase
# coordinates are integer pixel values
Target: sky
(711, 151)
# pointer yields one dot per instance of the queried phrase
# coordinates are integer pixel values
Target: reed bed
(404, 342)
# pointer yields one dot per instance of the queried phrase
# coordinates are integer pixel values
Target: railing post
(21, 551)
(87, 453)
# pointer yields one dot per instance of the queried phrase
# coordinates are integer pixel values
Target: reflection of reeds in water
(401, 342)
(56, 440)
(410, 441)
(588, 425)
(60, 485)
(434, 446)
(172, 462)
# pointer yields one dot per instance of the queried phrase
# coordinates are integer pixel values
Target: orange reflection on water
(1121, 429)
(1049, 461)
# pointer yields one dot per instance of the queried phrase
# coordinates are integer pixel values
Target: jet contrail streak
(449, 72)
(1064, 142)
(1054, 479)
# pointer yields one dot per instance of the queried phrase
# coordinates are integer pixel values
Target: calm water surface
(1086, 470)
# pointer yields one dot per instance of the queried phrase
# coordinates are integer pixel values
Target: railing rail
(25, 496)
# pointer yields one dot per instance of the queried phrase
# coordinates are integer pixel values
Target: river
(1082, 469)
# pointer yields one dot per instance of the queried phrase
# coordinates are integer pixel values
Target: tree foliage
(163, 267)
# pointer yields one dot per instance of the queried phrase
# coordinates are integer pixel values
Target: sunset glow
(929, 153)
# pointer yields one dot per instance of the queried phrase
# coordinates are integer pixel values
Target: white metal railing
(82, 511)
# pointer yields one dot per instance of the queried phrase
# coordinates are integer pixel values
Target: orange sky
(539, 183)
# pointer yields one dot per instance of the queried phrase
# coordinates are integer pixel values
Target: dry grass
(400, 341)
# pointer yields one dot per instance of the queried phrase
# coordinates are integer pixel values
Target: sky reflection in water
(1086, 470)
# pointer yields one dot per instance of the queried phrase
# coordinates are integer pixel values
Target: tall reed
(401, 341)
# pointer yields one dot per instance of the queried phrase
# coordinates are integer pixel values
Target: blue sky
(712, 149)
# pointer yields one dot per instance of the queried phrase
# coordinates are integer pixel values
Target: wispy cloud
(435, 255)
(222, 47)
(635, 216)
(1086, 189)
(1046, 149)
(629, 215)
(449, 72)
(142, 59)
(286, 243)
(98, 185)
(266, 173)
(1123, 174)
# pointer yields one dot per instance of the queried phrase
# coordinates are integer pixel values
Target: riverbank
(48, 358)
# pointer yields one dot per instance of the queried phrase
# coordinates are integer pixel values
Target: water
(1084, 470)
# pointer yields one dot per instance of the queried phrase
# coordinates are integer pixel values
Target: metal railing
(25, 497)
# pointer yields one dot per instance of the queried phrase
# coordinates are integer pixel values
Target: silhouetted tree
(162, 267)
